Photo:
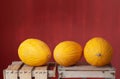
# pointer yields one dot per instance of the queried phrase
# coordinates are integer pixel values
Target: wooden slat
(18, 70)
(52, 73)
(86, 71)
(16, 62)
(15, 66)
(41, 68)
(40, 72)
(86, 74)
(4, 74)
(12, 71)
(25, 72)
(86, 67)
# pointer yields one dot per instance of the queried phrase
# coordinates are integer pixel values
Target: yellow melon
(67, 53)
(98, 52)
(34, 52)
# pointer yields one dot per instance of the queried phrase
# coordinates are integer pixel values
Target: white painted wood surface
(86, 71)
(19, 70)
(25, 72)
(12, 71)
(40, 72)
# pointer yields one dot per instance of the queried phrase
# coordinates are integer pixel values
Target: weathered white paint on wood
(19, 70)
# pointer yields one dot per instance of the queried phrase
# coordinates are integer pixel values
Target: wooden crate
(86, 71)
(19, 70)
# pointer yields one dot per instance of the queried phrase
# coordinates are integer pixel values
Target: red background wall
(56, 20)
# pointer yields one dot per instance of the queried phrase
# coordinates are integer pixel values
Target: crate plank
(86, 74)
(19, 70)
(52, 72)
(86, 71)
(4, 74)
(40, 72)
(86, 67)
(16, 62)
(12, 71)
(25, 72)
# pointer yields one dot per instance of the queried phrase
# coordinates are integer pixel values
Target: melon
(34, 52)
(67, 53)
(98, 51)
